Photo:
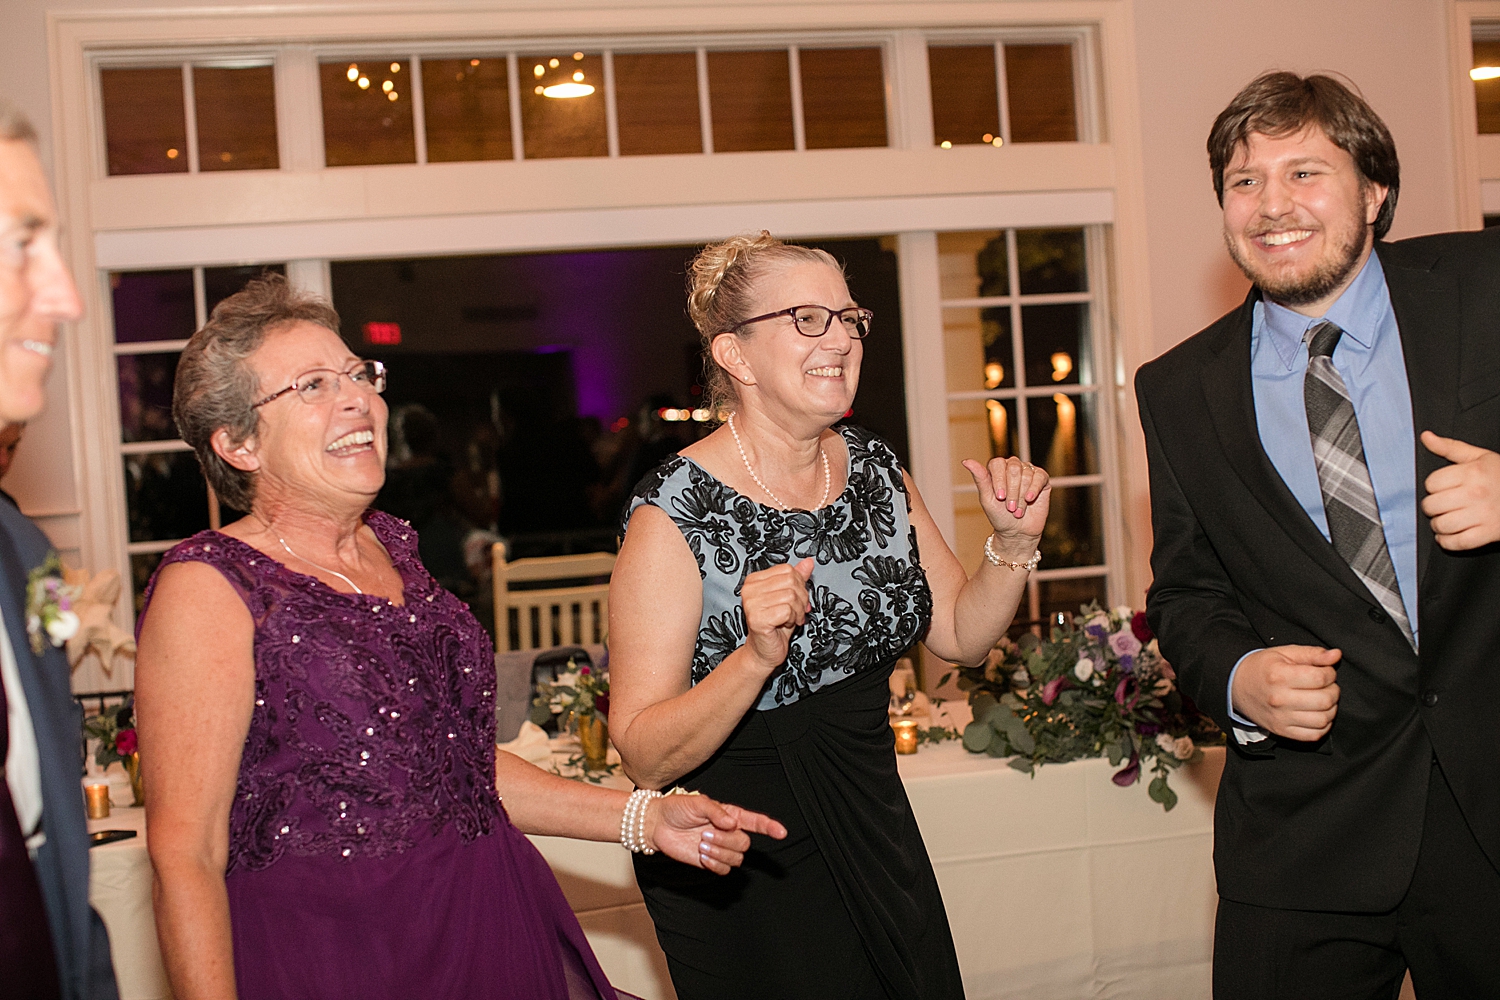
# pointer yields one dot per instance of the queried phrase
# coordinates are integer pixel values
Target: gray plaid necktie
(1348, 497)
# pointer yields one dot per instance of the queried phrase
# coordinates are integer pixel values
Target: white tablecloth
(1059, 886)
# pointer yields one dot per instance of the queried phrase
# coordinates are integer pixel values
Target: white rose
(1183, 748)
(63, 627)
(1167, 744)
(1085, 668)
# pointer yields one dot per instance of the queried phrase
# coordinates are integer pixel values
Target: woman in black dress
(770, 576)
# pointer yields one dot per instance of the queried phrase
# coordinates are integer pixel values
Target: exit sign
(382, 333)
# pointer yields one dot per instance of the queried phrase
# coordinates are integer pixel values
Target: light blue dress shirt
(1370, 361)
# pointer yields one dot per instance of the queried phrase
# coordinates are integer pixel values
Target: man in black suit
(52, 944)
(1327, 582)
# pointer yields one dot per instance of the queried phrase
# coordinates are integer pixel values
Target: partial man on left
(52, 943)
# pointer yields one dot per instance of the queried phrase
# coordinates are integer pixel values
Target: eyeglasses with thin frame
(322, 384)
(814, 321)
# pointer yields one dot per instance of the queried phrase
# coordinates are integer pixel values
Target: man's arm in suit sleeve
(1191, 606)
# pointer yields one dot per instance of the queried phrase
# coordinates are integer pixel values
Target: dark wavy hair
(1281, 104)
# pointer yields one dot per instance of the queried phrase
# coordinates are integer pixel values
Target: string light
(353, 73)
(364, 83)
(395, 67)
(388, 86)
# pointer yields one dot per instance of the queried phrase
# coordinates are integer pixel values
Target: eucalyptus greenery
(1096, 687)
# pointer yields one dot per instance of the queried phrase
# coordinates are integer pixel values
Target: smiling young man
(1327, 581)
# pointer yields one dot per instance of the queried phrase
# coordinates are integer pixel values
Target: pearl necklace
(314, 565)
(827, 475)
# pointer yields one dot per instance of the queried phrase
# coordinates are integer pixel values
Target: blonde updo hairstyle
(721, 283)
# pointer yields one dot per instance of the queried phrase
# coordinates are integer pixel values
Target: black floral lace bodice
(373, 724)
(870, 596)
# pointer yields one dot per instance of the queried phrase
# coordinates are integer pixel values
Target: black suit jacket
(1239, 565)
(62, 864)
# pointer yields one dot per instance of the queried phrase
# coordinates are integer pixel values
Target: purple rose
(1124, 643)
(125, 742)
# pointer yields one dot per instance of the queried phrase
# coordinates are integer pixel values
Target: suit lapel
(13, 576)
(1426, 304)
(1231, 404)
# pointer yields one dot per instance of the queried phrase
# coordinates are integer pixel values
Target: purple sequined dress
(369, 856)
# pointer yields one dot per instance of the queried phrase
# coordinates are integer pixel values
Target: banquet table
(1058, 886)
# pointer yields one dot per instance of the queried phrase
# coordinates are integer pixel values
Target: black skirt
(847, 905)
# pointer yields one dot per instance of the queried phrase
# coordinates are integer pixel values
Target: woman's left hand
(1014, 495)
(696, 830)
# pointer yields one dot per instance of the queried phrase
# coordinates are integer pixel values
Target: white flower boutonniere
(49, 606)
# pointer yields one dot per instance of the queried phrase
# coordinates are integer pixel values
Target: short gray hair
(214, 387)
(15, 126)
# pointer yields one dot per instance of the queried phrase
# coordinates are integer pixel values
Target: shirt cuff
(1245, 731)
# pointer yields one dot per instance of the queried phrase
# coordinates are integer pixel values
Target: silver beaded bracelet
(633, 821)
(995, 560)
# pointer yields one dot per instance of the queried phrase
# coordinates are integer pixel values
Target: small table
(120, 889)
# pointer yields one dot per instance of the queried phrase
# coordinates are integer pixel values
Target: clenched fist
(775, 602)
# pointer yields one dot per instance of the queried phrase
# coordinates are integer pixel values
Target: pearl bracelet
(995, 560)
(633, 821)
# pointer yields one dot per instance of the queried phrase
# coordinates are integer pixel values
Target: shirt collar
(1357, 312)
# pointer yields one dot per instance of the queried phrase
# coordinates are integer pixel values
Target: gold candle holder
(96, 798)
(906, 735)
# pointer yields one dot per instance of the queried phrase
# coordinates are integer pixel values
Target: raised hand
(1291, 691)
(698, 831)
(1463, 499)
(1015, 496)
(774, 602)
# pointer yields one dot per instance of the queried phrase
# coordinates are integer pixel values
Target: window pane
(972, 265)
(965, 94)
(1487, 92)
(1039, 91)
(1074, 535)
(977, 345)
(843, 98)
(367, 113)
(561, 124)
(142, 565)
(221, 282)
(467, 106)
(152, 305)
(656, 103)
(1058, 344)
(145, 120)
(1068, 596)
(981, 429)
(1063, 432)
(750, 97)
(1051, 260)
(236, 111)
(165, 496)
(146, 396)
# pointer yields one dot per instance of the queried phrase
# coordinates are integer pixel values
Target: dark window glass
(843, 97)
(1051, 260)
(553, 122)
(1004, 430)
(467, 107)
(1074, 535)
(142, 565)
(1487, 92)
(1062, 431)
(965, 94)
(367, 112)
(152, 305)
(221, 282)
(145, 120)
(146, 396)
(1057, 344)
(1039, 92)
(656, 103)
(750, 97)
(165, 496)
(999, 356)
(236, 111)
(1068, 596)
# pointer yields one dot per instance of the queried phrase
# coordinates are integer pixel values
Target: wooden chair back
(572, 612)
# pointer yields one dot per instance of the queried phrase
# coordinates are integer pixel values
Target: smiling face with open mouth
(1298, 216)
(329, 453)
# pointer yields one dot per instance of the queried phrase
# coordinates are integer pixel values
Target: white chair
(576, 614)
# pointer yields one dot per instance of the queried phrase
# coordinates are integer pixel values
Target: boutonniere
(49, 606)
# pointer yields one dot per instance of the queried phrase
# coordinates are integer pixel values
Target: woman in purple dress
(316, 717)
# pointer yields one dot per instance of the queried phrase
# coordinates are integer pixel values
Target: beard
(1338, 263)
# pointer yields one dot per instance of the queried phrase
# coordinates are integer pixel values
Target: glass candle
(96, 798)
(906, 735)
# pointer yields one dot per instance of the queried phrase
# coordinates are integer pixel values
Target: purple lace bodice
(373, 724)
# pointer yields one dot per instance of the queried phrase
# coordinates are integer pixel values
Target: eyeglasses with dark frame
(319, 385)
(814, 321)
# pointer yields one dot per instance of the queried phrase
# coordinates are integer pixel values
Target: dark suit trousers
(1446, 930)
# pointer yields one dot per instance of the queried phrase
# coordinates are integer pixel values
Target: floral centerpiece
(1097, 687)
(580, 697)
(114, 728)
(50, 617)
